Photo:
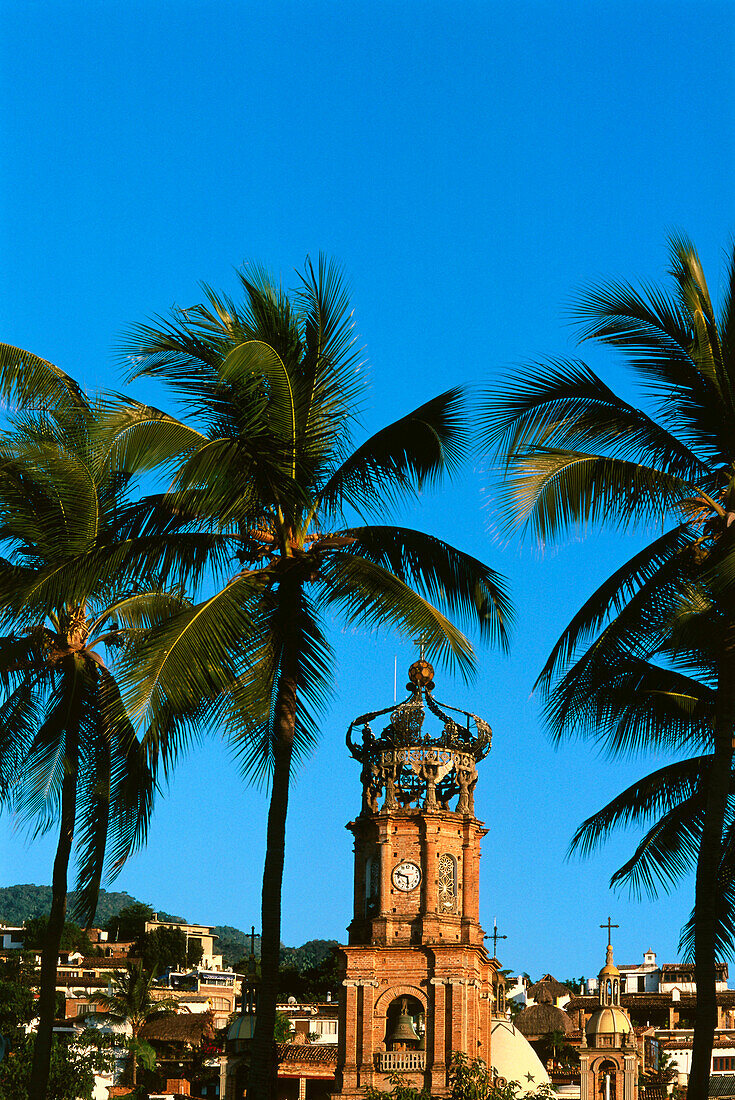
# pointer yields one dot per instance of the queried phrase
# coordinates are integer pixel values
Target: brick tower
(608, 1056)
(418, 982)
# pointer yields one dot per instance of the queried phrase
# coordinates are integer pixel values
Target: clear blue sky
(470, 164)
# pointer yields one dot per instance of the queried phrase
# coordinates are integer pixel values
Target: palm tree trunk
(262, 1073)
(706, 898)
(50, 955)
(134, 1069)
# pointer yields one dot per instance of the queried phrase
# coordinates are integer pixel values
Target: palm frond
(54, 750)
(30, 381)
(371, 596)
(564, 404)
(139, 437)
(663, 790)
(666, 853)
(550, 491)
(725, 912)
(331, 364)
(402, 458)
(191, 658)
(659, 339)
(248, 709)
(631, 706)
(613, 595)
(93, 805)
(467, 587)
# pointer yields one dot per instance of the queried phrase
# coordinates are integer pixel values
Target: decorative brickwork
(417, 980)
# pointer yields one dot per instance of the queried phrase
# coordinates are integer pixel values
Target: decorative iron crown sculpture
(411, 769)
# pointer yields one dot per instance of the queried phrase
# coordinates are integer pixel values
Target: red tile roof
(314, 1053)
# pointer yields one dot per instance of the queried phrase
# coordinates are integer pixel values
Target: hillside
(23, 902)
(20, 903)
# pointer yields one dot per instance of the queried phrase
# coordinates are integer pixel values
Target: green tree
(576, 453)
(162, 948)
(131, 1001)
(282, 1032)
(73, 938)
(17, 1002)
(555, 1046)
(129, 924)
(274, 385)
(165, 948)
(69, 756)
(72, 1067)
(310, 983)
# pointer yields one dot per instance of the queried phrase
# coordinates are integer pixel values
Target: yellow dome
(609, 1020)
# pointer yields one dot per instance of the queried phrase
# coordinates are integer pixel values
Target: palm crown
(267, 483)
(649, 658)
(68, 750)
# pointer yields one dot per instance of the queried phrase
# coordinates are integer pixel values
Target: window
(723, 1064)
(85, 1010)
(500, 998)
(447, 883)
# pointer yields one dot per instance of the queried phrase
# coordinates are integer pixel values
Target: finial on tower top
(420, 675)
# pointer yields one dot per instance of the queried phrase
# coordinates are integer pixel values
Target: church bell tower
(608, 1056)
(418, 982)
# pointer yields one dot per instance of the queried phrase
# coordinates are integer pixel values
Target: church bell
(404, 1031)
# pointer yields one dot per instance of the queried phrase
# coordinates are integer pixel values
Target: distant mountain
(308, 955)
(21, 903)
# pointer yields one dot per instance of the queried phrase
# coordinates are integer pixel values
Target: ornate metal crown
(414, 768)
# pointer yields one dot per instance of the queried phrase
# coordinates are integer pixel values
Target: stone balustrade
(400, 1061)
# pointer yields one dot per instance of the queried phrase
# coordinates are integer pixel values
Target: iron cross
(495, 937)
(609, 927)
(422, 641)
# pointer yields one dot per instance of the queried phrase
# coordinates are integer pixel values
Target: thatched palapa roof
(550, 984)
(538, 1020)
(181, 1027)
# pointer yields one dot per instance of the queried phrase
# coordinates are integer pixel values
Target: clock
(406, 876)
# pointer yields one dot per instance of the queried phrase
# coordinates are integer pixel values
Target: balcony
(400, 1061)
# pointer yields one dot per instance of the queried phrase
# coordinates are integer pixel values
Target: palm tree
(68, 751)
(131, 1002)
(575, 453)
(268, 474)
(627, 704)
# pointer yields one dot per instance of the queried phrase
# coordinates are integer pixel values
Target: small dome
(242, 1027)
(610, 1020)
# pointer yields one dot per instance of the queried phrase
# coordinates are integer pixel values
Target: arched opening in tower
(606, 1081)
(405, 1025)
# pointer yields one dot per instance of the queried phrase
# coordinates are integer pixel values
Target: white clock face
(406, 876)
